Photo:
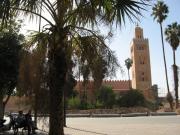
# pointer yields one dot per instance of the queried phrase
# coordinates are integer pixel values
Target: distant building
(141, 70)
(141, 67)
(141, 75)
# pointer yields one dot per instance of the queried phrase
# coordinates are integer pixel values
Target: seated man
(29, 121)
(20, 118)
(28, 116)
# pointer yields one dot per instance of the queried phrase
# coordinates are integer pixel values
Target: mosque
(141, 74)
(141, 70)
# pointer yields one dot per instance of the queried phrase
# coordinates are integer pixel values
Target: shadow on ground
(24, 133)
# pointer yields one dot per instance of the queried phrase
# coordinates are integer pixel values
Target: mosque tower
(141, 68)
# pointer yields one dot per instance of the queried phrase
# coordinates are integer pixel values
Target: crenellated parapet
(116, 85)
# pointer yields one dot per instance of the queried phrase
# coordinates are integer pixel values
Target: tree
(68, 88)
(99, 66)
(172, 33)
(160, 11)
(69, 19)
(104, 65)
(10, 47)
(128, 63)
(32, 81)
(85, 73)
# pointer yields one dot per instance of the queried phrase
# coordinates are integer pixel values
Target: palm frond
(38, 39)
(5, 10)
(172, 33)
(160, 11)
(108, 11)
(93, 51)
(120, 9)
(82, 15)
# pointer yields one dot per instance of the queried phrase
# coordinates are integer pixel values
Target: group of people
(19, 121)
(25, 120)
(24, 117)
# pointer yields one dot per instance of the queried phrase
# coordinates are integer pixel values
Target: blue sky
(120, 43)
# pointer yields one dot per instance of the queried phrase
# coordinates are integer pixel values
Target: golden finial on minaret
(138, 32)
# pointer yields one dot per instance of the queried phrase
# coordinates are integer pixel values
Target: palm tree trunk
(129, 80)
(64, 111)
(176, 80)
(96, 86)
(174, 57)
(84, 102)
(1, 107)
(57, 74)
(35, 109)
(164, 58)
(36, 97)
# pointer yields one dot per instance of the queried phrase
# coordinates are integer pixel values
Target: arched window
(142, 60)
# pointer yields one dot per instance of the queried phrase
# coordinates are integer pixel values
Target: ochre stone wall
(141, 67)
(17, 103)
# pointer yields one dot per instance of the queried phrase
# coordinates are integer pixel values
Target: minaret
(141, 69)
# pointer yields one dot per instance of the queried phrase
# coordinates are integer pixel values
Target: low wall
(17, 103)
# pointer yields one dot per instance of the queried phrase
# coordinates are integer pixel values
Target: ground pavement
(149, 125)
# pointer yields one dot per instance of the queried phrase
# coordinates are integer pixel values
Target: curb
(123, 115)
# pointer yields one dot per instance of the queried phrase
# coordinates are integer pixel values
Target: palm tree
(128, 63)
(70, 19)
(160, 11)
(100, 66)
(172, 33)
(85, 73)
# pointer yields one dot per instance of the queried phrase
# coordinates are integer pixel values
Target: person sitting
(29, 121)
(28, 116)
(20, 118)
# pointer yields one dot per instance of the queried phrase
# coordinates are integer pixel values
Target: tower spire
(138, 32)
(137, 24)
(141, 70)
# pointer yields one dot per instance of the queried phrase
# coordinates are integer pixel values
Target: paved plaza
(149, 125)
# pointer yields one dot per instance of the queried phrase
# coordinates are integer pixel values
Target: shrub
(74, 103)
(151, 105)
(98, 104)
(131, 98)
(90, 106)
(83, 105)
(106, 96)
